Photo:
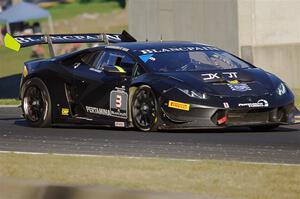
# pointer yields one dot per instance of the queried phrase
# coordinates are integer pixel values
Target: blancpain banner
(178, 49)
(29, 40)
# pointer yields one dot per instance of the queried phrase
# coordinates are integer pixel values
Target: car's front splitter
(197, 116)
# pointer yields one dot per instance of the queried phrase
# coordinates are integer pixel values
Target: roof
(136, 47)
(23, 12)
(163, 44)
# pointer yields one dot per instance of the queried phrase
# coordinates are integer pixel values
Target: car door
(102, 94)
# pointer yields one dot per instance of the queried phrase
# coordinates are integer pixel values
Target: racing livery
(150, 86)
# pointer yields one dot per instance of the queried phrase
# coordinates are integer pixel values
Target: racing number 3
(119, 101)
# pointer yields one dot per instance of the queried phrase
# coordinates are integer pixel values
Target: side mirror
(114, 69)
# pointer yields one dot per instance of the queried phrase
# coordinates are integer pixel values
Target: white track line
(9, 106)
(149, 158)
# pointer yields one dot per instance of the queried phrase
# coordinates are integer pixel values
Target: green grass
(12, 62)
(220, 179)
(10, 102)
(67, 11)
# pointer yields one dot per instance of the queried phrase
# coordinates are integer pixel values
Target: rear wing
(17, 42)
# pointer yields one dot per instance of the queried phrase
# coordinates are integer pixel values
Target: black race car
(150, 86)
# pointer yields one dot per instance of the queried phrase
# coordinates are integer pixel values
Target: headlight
(281, 90)
(195, 94)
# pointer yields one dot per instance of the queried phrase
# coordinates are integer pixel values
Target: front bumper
(213, 117)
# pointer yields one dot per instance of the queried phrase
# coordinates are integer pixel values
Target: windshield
(192, 61)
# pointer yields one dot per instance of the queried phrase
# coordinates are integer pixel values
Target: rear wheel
(145, 113)
(264, 128)
(36, 103)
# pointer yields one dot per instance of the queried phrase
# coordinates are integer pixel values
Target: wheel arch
(132, 89)
(40, 84)
(29, 78)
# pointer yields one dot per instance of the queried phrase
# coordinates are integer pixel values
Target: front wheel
(145, 114)
(36, 103)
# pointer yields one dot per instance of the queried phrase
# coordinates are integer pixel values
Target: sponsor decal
(239, 87)
(118, 105)
(120, 124)
(211, 76)
(98, 111)
(67, 38)
(146, 57)
(233, 82)
(259, 103)
(118, 102)
(180, 49)
(230, 74)
(226, 105)
(65, 111)
(179, 105)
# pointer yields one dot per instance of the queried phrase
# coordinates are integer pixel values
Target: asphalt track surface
(280, 146)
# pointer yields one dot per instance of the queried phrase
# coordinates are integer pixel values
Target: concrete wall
(228, 24)
(208, 21)
(282, 60)
(268, 22)
(269, 36)
(265, 32)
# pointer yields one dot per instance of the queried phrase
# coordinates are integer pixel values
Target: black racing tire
(264, 128)
(144, 111)
(36, 103)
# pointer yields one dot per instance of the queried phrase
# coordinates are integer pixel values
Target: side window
(90, 58)
(116, 58)
(128, 64)
(139, 70)
(101, 60)
(86, 59)
(71, 61)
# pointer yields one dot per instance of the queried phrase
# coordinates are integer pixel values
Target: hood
(234, 83)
